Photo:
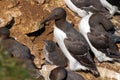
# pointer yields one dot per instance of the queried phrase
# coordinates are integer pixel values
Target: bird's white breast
(77, 10)
(84, 24)
(59, 36)
(112, 9)
(84, 28)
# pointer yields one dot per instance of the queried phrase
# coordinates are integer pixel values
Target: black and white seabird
(102, 24)
(18, 50)
(100, 42)
(83, 7)
(112, 5)
(53, 54)
(60, 73)
(71, 42)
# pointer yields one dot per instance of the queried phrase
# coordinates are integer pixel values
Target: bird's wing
(76, 46)
(99, 41)
(81, 3)
(108, 25)
(80, 51)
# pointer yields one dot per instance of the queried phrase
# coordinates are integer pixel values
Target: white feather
(77, 10)
(59, 36)
(112, 9)
(84, 28)
(46, 54)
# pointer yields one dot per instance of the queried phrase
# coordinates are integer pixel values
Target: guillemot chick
(60, 73)
(53, 54)
(71, 42)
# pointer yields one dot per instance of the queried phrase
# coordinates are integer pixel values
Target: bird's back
(16, 49)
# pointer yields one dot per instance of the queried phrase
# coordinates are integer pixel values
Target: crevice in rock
(36, 33)
(10, 24)
(50, 32)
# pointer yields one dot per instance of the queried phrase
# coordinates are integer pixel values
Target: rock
(28, 14)
(41, 1)
(12, 3)
(46, 69)
(5, 19)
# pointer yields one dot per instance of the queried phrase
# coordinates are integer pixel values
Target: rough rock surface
(27, 17)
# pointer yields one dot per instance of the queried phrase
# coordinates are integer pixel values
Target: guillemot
(71, 42)
(53, 54)
(82, 7)
(100, 23)
(112, 5)
(19, 51)
(100, 42)
(60, 73)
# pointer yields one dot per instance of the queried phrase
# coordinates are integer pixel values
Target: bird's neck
(61, 23)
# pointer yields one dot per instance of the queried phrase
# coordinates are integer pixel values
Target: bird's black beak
(50, 17)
